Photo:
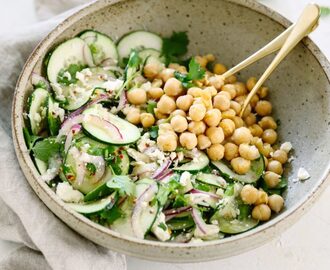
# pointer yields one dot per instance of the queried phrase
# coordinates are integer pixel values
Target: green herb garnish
(196, 72)
(175, 46)
(45, 149)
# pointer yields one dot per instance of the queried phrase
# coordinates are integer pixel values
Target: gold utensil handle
(305, 24)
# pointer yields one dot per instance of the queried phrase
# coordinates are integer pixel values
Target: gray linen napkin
(46, 242)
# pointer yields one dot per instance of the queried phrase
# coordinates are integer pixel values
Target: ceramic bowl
(232, 30)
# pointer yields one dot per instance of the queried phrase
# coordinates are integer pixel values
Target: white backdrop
(306, 245)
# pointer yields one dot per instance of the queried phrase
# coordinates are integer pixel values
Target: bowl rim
(40, 186)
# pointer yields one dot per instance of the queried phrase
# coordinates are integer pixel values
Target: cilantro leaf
(196, 72)
(45, 149)
(71, 70)
(325, 11)
(134, 60)
(91, 168)
(162, 194)
(111, 215)
(175, 46)
(123, 184)
(151, 106)
(153, 131)
(30, 140)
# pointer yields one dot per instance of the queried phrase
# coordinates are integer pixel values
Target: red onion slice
(166, 176)
(102, 123)
(108, 62)
(122, 101)
(74, 130)
(36, 78)
(211, 195)
(200, 223)
(68, 124)
(162, 169)
(172, 213)
(80, 166)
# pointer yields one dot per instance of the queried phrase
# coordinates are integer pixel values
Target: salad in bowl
(148, 142)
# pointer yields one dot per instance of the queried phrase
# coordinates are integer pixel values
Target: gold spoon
(286, 41)
(305, 24)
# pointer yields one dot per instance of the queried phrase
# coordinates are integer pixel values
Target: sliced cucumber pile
(198, 163)
(101, 46)
(252, 176)
(138, 40)
(211, 179)
(109, 128)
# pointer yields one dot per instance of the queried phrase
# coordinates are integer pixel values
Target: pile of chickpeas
(207, 117)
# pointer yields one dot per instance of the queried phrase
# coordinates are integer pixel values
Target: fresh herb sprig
(196, 72)
(175, 47)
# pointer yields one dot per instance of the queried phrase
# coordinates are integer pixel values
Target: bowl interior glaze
(232, 30)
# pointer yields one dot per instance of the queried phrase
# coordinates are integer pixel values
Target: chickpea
(229, 114)
(197, 112)
(276, 203)
(188, 140)
(216, 81)
(227, 94)
(151, 70)
(174, 66)
(197, 127)
(155, 93)
(221, 102)
(203, 142)
(242, 135)
(166, 74)
(263, 92)
(240, 89)
(179, 112)
(235, 106)
(157, 83)
(256, 130)
(165, 128)
(254, 101)
(250, 83)
(271, 179)
(257, 142)
(182, 69)
(266, 149)
(211, 90)
(159, 115)
(280, 156)
(249, 194)
(212, 117)
(133, 116)
(230, 88)
(179, 123)
(228, 127)
(137, 96)
(231, 79)
(194, 91)
(265, 161)
(269, 136)
(231, 151)
(201, 60)
(261, 212)
(216, 152)
(262, 197)
(173, 87)
(147, 119)
(247, 111)
(184, 102)
(249, 152)
(263, 108)
(219, 69)
(238, 121)
(240, 165)
(215, 134)
(267, 122)
(275, 166)
(167, 142)
(250, 119)
(166, 105)
(240, 99)
(210, 57)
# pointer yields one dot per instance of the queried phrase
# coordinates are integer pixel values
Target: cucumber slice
(252, 176)
(55, 114)
(94, 207)
(123, 225)
(151, 55)
(70, 52)
(109, 128)
(211, 179)
(180, 223)
(196, 164)
(38, 110)
(138, 39)
(142, 185)
(89, 182)
(99, 192)
(235, 226)
(101, 46)
(41, 165)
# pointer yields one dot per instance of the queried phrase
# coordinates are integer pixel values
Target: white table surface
(306, 245)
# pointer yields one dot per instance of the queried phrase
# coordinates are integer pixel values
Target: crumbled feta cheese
(303, 174)
(87, 72)
(185, 178)
(50, 174)
(68, 194)
(81, 77)
(37, 118)
(196, 240)
(180, 156)
(58, 111)
(287, 146)
(144, 143)
(172, 155)
(58, 91)
(163, 234)
(112, 85)
(292, 158)
(220, 192)
(211, 231)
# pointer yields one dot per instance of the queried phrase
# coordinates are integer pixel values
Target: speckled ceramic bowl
(300, 92)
